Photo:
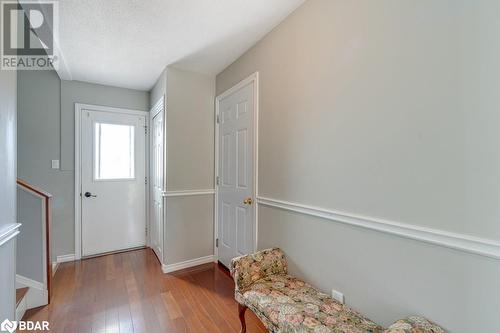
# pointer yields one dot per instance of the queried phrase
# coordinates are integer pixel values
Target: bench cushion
(253, 267)
(414, 325)
(287, 304)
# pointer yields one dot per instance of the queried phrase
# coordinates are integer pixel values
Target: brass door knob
(248, 201)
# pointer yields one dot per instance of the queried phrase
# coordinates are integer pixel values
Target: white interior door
(157, 187)
(113, 193)
(235, 191)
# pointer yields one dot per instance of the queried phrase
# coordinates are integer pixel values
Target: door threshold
(114, 252)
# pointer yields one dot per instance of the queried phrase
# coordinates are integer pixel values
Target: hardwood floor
(128, 292)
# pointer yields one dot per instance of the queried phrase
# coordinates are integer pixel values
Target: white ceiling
(127, 43)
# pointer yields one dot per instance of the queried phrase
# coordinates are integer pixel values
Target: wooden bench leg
(241, 313)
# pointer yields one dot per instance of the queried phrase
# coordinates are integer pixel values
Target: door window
(114, 151)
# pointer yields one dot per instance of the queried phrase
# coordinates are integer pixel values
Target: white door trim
(254, 78)
(154, 111)
(79, 107)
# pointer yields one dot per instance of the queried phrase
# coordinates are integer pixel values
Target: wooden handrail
(33, 188)
(47, 198)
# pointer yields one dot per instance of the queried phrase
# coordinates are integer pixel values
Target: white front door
(236, 212)
(157, 179)
(113, 190)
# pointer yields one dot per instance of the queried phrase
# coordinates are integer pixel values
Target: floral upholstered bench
(286, 304)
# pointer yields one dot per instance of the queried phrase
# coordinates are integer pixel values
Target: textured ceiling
(127, 43)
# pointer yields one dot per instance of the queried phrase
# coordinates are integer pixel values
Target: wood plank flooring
(128, 292)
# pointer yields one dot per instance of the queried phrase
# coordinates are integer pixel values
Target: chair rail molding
(466, 243)
(9, 232)
(187, 193)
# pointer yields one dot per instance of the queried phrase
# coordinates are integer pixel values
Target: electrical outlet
(55, 164)
(337, 295)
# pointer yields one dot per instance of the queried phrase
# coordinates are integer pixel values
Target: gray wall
(159, 89)
(8, 191)
(190, 130)
(385, 109)
(39, 143)
(189, 228)
(8, 124)
(30, 258)
(190, 162)
(46, 132)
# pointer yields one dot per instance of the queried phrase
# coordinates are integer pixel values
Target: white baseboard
(21, 309)
(65, 258)
(186, 264)
(55, 266)
(37, 294)
(60, 260)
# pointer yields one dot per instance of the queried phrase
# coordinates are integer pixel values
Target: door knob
(248, 201)
(88, 195)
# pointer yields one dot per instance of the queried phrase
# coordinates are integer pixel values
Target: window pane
(114, 151)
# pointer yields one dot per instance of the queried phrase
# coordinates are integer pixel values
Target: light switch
(55, 164)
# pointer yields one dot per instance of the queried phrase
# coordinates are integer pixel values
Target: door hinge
(146, 180)
(217, 180)
(216, 242)
(217, 119)
(145, 130)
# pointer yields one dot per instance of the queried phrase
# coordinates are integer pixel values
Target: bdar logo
(8, 326)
